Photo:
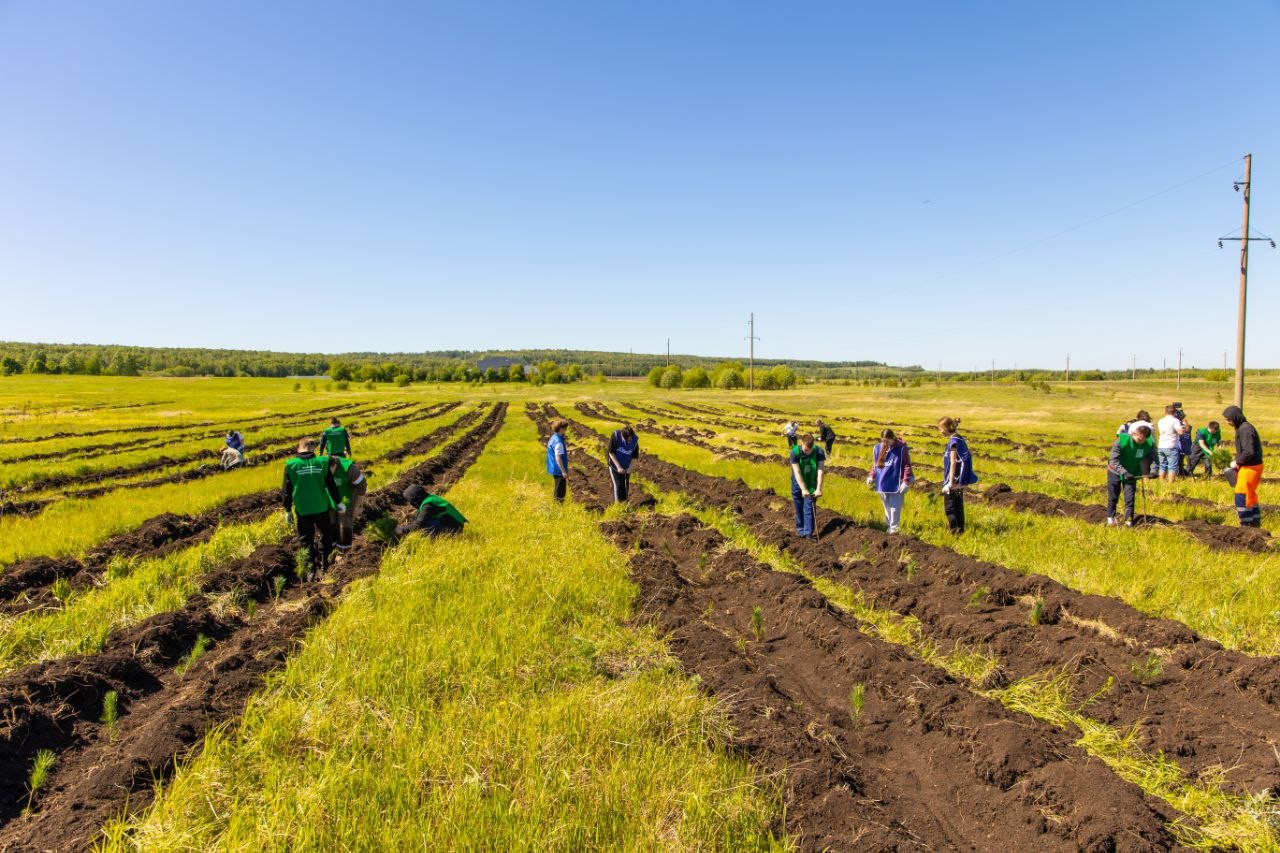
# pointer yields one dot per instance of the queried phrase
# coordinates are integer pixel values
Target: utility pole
(1179, 368)
(1133, 375)
(993, 371)
(751, 369)
(1244, 239)
(1068, 368)
(668, 352)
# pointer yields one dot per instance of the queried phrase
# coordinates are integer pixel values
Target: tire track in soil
(58, 481)
(164, 714)
(25, 584)
(1206, 707)
(926, 764)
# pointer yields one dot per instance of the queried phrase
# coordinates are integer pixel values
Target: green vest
(334, 440)
(808, 465)
(1132, 453)
(307, 476)
(1210, 440)
(342, 476)
(448, 508)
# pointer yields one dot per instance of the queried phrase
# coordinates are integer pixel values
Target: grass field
(642, 676)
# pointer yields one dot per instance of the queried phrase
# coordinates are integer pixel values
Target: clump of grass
(197, 651)
(757, 622)
(61, 590)
(857, 699)
(1037, 612)
(110, 711)
(978, 596)
(39, 776)
(1147, 670)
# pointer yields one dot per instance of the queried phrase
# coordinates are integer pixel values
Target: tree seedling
(1037, 612)
(908, 563)
(302, 564)
(978, 596)
(1147, 670)
(277, 584)
(110, 711)
(381, 530)
(857, 699)
(197, 651)
(757, 622)
(39, 776)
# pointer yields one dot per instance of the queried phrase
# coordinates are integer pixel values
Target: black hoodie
(1248, 444)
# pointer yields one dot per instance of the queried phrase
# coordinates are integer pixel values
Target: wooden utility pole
(1244, 285)
(668, 352)
(751, 362)
(1179, 368)
(1068, 368)
(993, 371)
(1133, 375)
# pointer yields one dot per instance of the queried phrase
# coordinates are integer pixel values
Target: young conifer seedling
(757, 622)
(39, 776)
(1037, 611)
(197, 651)
(110, 711)
(978, 596)
(857, 699)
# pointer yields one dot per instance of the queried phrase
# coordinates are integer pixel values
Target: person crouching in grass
(890, 476)
(807, 461)
(1124, 467)
(957, 471)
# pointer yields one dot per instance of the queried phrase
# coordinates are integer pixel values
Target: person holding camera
(1123, 470)
(1169, 430)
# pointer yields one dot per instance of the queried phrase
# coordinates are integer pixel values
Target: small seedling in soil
(381, 530)
(1147, 670)
(741, 643)
(908, 563)
(277, 583)
(39, 776)
(197, 652)
(250, 608)
(978, 596)
(1037, 612)
(111, 711)
(61, 590)
(302, 564)
(857, 698)
(757, 622)
(702, 561)
(709, 610)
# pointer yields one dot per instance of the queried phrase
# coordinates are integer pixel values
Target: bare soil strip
(1200, 704)
(167, 707)
(589, 481)
(918, 763)
(25, 585)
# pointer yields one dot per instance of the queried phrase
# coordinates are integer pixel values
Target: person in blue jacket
(957, 473)
(624, 449)
(558, 459)
(890, 476)
(233, 452)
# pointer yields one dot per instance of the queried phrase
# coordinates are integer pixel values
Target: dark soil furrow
(918, 763)
(1195, 701)
(589, 480)
(165, 712)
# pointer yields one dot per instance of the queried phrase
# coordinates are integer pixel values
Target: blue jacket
(897, 467)
(965, 477)
(556, 447)
(626, 451)
(235, 441)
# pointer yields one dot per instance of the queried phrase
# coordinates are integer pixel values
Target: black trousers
(953, 506)
(561, 487)
(621, 482)
(1114, 486)
(830, 443)
(308, 527)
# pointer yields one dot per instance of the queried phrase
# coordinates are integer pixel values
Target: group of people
(323, 488)
(1169, 448)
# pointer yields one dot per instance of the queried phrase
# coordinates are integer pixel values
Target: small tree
(696, 378)
(672, 377)
(729, 379)
(655, 376)
(9, 366)
(782, 376)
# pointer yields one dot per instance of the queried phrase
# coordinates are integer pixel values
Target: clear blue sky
(602, 175)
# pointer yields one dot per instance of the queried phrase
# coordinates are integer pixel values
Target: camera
(1178, 411)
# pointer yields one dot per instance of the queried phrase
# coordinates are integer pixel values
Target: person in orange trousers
(1246, 468)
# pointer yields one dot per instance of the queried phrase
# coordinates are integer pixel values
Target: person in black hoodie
(1245, 472)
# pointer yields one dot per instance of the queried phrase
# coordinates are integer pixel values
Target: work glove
(288, 517)
(342, 507)
(902, 487)
(871, 480)
(946, 489)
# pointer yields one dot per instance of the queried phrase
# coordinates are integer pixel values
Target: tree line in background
(726, 375)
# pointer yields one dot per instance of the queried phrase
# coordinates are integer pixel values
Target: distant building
(500, 362)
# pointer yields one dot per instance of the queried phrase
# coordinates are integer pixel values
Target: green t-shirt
(809, 464)
(1210, 440)
(335, 440)
(1132, 453)
(306, 477)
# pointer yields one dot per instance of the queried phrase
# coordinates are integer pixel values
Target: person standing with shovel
(1124, 467)
(807, 460)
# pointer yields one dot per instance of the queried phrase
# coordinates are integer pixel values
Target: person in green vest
(352, 487)
(1206, 439)
(310, 491)
(1124, 468)
(436, 516)
(807, 460)
(335, 441)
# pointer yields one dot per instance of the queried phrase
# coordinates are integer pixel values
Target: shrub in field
(1217, 375)
(672, 377)
(1148, 669)
(696, 377)
(655, 376)
(781, 376)
(729, 379)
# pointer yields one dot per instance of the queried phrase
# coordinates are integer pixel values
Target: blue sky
(872, 180)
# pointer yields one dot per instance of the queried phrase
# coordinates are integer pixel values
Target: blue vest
(556, 447)
(889, 478)
(965, 477)
(623, 449)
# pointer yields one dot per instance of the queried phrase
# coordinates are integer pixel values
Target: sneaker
(893, 529)
(1128, 522)
(1111, 522)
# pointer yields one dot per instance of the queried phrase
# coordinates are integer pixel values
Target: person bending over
(1124, 467)
(623, 450)
(436, 516)
(806, 482)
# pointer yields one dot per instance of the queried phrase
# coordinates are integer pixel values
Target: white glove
(871, 480)
(946, 489)
(902, 487)
(342, 507)
(288, 517)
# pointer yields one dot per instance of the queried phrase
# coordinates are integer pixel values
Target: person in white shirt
(1168, 432)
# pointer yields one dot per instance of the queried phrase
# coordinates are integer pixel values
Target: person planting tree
(623, 450)
(1245, 472)
(827, 436)
(807, 460)
(436, 516)
(352, 487)
(558, 459)
(335, 440)
(1143, 418)
(957, 470)
(1124, 467)
(1206, 441)
(310, 490)
(790, 430)
(891, 476)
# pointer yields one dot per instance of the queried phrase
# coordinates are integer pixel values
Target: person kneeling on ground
(806, 482)
(352, 487)
(624, 449)
(890, 476)
(1124, 467)
(233, 453)
(1207, 438)
(957, 469)
(436, 516)
(310, 490)
(1246, 468)
(558, 460)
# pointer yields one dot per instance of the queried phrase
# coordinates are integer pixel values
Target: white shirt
(1169, 428)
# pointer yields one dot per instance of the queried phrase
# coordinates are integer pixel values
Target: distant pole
(668, 352)
(751, 368)
(1068, 368)
(1244, 284)
(1224, 359)
(1179, 368)
(1133, 375)
(993, 371)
